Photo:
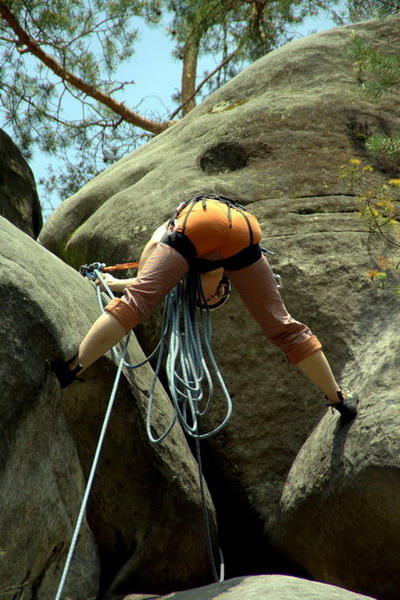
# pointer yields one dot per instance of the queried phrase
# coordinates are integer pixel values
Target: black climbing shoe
(347, 405)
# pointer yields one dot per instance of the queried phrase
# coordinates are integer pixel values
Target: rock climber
(216, 235)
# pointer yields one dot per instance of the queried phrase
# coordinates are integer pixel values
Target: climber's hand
(64, 373)
(113, 283)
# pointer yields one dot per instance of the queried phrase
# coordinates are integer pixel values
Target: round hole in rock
(223, 157)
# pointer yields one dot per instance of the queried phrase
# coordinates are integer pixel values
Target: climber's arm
(115, 284)
(105, 332)
(119, 285)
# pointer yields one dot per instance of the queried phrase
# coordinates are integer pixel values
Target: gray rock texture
(19, 202)
(340, 502)
(144, 515)
(277, 131)
(41, 480)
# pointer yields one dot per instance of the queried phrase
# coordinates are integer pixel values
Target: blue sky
(157, 76)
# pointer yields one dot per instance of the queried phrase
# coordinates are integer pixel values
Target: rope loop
(185, 346)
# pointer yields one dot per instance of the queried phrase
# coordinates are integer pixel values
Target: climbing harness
(220, 296)
(186, 331)
(176, 238)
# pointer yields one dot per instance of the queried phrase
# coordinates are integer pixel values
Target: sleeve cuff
(304, 349)
(122, 312)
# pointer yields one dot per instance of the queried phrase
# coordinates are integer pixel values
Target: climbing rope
(186, 331)
(186, 342)
(89, 483)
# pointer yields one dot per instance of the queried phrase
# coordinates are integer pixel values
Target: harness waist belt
(182, 244)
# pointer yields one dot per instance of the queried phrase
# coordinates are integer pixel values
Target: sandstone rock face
(267, 587)
(274, 138)
(340, 503)
(144, 515)
(19, 202)
(41, 480)
(41, 483)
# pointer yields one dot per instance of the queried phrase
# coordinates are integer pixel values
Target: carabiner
(89, 270)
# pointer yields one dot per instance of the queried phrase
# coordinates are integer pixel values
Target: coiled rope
(186, 337)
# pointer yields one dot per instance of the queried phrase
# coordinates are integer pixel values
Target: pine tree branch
(395, 6)
(26, 43)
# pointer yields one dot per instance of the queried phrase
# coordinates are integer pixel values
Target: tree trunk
(190, 54)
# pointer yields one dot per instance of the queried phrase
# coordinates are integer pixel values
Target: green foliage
(90, 39)
(378, 68)
(380, 210)
(360, 10)
(382, 144)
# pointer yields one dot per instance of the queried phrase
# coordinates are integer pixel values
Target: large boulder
(19, 202)
(144, 519)
(41, 480)
(267, 587)
(273, 138)
(340, 505)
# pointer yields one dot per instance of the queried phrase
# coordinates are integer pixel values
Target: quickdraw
(90, 270)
